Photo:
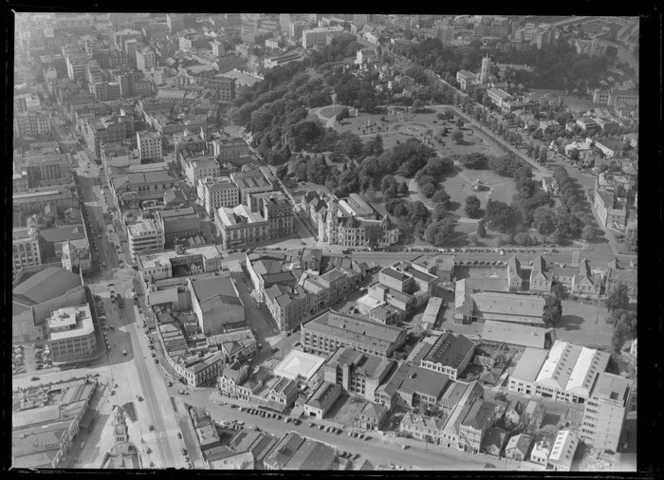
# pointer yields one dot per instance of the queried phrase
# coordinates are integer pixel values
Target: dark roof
(479, 415)
(209, 288)
(61, 234)
(47, 284)
(450, 350)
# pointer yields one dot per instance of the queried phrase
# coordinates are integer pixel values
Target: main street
(563, 256)
(133, 373)
(378, 450)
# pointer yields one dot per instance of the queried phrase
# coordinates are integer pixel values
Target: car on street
(179, 435)
(34, 379)
(156, 360)
(124, 352)
(151, 427)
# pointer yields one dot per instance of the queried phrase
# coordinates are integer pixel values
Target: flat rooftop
(298, 363)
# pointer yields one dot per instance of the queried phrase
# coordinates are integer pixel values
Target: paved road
(377, 451)
(564, 256)
(133, 374)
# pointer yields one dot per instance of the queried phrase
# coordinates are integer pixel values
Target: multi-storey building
(358, 373)
(474, 427)
(276, 209)
(605, 410)
(160, 265)
(239, 226)
(227, 148)
(449, 355)
(179, 223)
(214, 193)
(146, 59)
(197, 168)
(251, 182)
(193, 41)
(224, 85)
(326, 333)
(46, 170)
(134, 188)
(93, 72)
(71, 334)
(106, 91)
(25, 248)
(109, 129)
(319, 35)
(338, 223)
(149, 145)
(145, 236)
(76, 66)
(31, 123)
(217, 305)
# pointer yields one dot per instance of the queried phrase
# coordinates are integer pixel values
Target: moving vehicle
(124, 352)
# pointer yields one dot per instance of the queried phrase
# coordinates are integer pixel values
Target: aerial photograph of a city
(341, 242)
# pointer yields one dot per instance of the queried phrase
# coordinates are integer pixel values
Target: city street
(378, 450)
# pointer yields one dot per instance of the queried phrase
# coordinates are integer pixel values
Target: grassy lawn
(459, 186)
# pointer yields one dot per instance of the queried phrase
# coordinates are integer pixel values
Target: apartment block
(605, 410)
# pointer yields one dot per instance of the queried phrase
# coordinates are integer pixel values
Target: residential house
(540, 453)
(494, 441)
(427, 429)
(372, 416)
(518, 446)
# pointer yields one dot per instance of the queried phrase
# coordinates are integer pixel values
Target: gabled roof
(519, 442)
(480, 415)
(47, 284)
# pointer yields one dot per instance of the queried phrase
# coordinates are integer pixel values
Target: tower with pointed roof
(332, 208)
(120, 431)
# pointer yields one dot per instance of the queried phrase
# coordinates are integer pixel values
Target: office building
(358, 373)
(71, 334)
(320, 35)
(26, 251)
(29, 124)
(145, 236)
(214, 193)
(146, 59)
(605, 410)
(251, 182)
(149, 145)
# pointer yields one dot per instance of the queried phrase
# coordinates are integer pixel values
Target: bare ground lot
(345, 410)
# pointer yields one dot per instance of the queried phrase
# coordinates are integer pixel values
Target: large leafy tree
(553, 310)
(624, 327)
(618, 298)
(440, 233)
(473, 207)
(500, 216)
(373, 234)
